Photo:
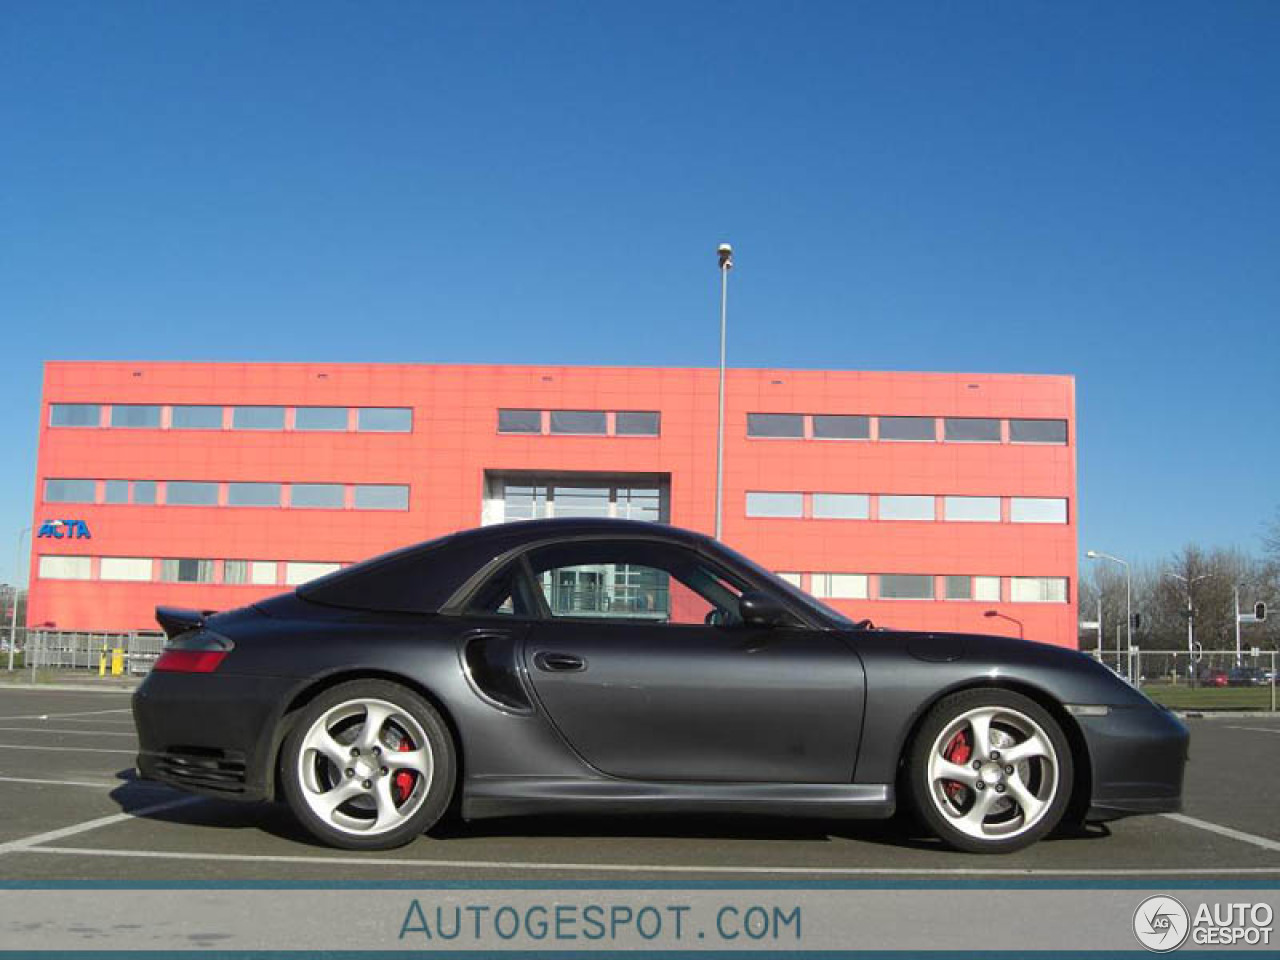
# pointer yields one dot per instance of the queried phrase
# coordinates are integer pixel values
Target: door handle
(559, 662)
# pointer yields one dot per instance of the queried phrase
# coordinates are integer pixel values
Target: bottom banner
(406, 919)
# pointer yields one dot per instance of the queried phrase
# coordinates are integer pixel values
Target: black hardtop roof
(419, 578)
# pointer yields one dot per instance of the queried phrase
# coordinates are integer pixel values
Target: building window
(1038, 510)
(571, 501)
(795, 579)
(905, 586)
(296, 573)
(971, 509)
(320, 418)
(66, 568)
(579, 422)
(144, 491)
(135, 416)
(115, 491)
(519, 421)
(125, 568)
(70, 491)
(775, 504)
(253, 494)
(898, 507)
(1038, 431)
(328, 496)
(775, 425)
(959, 588)
(195, 418)
(639, 503)
(525, 502)
(971, 430)
(1038, 589)
(841, 506)
(256, 572)
(384, 420)
(381, 496)
(257, 418)
(75, 415)
(189, 493)
(986, 589)
(841, 427)
(839, 586)
(634, 423)
(908, 428)
(186, 571)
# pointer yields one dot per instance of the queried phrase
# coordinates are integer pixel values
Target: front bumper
(1137, 756)
(211, 734)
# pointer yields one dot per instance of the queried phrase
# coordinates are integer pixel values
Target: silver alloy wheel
(349, 761)
(1007, 781)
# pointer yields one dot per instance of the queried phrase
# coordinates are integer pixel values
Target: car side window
(633, 581)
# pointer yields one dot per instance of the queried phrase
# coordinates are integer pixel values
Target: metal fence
(66, 650)
(1255, 668)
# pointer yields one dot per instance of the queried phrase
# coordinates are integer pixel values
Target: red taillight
(189, 661)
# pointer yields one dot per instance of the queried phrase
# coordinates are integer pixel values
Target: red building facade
(924, 500)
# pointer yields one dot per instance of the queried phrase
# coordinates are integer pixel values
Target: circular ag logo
(1161, 923)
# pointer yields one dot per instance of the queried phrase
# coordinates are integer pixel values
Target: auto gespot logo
(1161, 924)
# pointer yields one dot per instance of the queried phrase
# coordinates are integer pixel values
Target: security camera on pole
(725, 253)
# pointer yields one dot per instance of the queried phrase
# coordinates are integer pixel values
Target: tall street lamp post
(13, 614)
(1128, 601)
(725, 253)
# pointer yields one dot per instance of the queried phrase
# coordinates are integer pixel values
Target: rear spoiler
(178, 620)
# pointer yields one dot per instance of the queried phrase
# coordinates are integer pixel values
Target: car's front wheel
(990, 771)
(368, 765)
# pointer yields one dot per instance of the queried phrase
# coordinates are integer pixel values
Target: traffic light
(1259, 612)
(1137, 621)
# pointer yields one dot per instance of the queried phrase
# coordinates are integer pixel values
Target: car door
(650, 675)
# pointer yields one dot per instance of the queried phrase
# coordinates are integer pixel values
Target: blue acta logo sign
(65, 530)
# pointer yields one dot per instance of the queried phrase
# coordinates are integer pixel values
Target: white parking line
(652, 867)
(59, 716)
(99, 785)
(70, 733)
(1263, 842)
(1258, 729)
(27, 843)
(24, 746)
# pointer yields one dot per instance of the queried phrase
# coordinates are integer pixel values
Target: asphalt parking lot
(72, 809)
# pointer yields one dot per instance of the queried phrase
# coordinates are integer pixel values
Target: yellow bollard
(117, 661)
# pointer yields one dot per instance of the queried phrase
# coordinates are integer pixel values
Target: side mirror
(758, 609)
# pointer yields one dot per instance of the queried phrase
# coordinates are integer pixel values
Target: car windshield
(793, 592)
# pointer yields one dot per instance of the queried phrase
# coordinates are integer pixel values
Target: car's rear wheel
(990, 771)
(368, 765)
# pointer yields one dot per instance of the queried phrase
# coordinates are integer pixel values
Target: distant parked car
(1246, 677)
(1213, 678)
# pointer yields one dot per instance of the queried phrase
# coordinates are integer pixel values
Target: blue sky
(1084, 188)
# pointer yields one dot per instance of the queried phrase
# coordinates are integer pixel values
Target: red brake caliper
(958, 752)
(403, 779)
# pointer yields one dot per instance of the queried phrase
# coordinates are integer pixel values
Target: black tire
(430, 796)
(1047, 779)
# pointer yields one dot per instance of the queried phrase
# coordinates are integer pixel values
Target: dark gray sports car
(608, 666)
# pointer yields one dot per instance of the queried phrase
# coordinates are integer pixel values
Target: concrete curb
(65, 687)
(1227, 714)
